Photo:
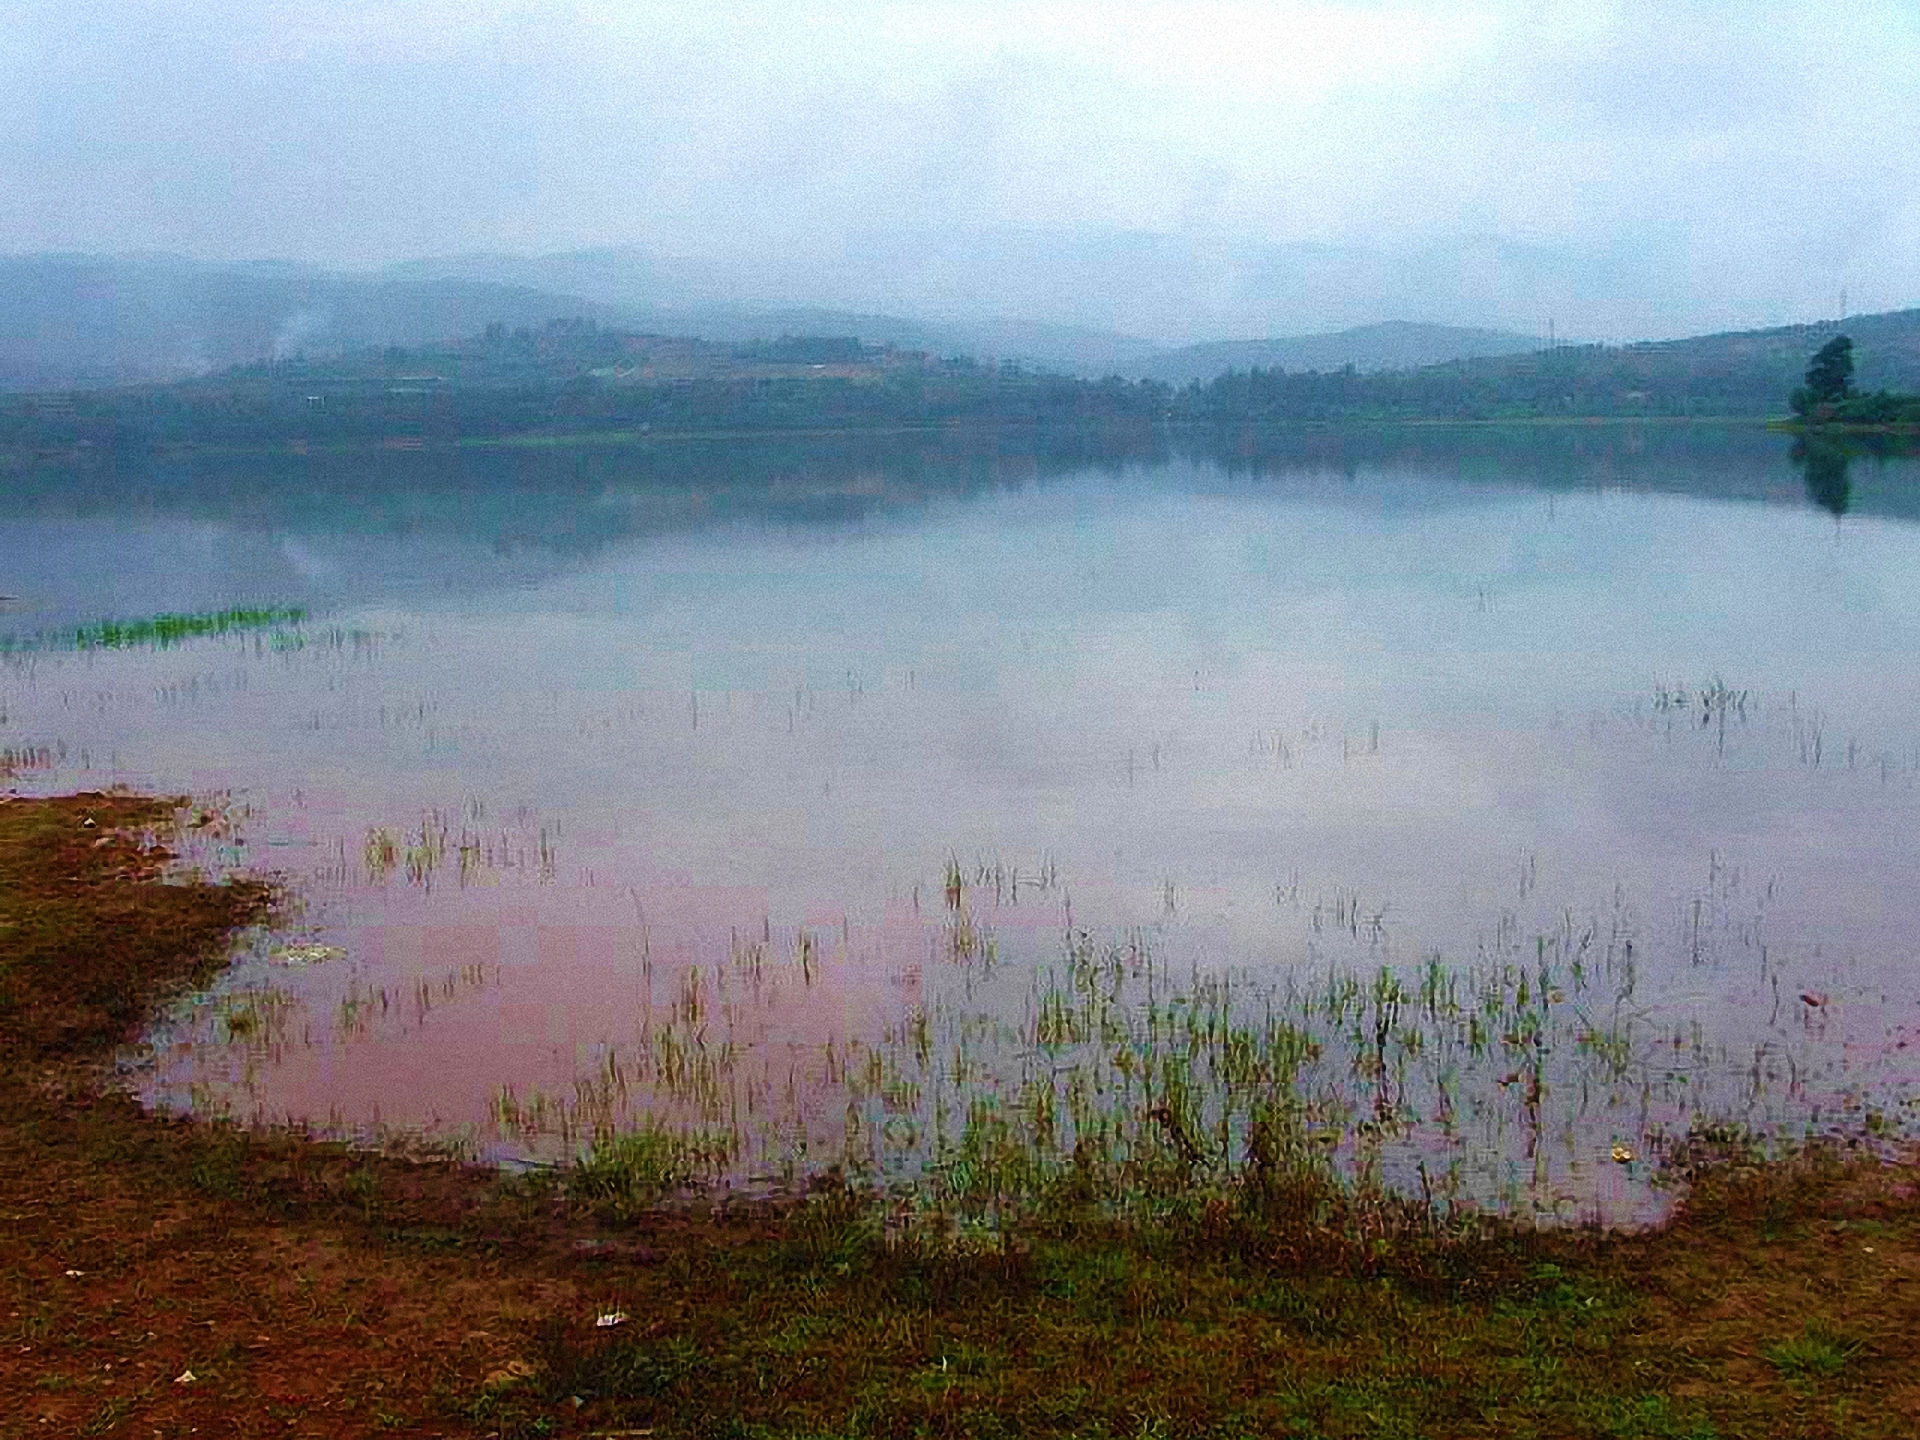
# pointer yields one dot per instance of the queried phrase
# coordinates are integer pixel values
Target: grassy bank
(309, 1290)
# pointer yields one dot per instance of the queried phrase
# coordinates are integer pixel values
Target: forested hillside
(1745, 373)
(576, 377)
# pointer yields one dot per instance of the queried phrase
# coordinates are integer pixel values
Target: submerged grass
(157, 631)
(1536, 1080)
(630, 1171)
(312, 1290)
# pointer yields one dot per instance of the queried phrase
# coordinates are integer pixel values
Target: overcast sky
(1632, 168)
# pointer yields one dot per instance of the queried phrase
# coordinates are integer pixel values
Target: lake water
(907, 802)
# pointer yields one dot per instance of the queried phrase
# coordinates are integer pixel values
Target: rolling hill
(1747, 373)
(1394, 345)
(69, 321)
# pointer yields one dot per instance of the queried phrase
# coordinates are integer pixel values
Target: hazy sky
(1635, 168)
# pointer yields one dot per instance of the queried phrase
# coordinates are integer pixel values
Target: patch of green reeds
(632, 1170)
(1096, 1083)
(1365, 1100)
(158, 632)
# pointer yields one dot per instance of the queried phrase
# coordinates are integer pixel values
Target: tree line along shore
(574, 378)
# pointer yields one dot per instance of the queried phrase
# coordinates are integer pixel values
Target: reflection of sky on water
(1232, 711)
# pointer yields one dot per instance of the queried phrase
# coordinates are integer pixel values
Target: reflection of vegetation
(422, 851)
(1825, 460)
(15, 758)
(256, 1016)
(1824, 464)
(516, 508)
(159, 631)
(569, 499)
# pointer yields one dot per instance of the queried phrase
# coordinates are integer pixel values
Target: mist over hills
(1734, 373)
(77, 322)
(1166, 290)
(1089, 302)
(86, 320)
(71, 321)
(1392, 345)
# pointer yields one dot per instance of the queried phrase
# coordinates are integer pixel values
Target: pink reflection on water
(449, 993)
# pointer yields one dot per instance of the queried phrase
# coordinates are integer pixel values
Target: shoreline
(18, 458)
(303, 1282)
(1839, 427)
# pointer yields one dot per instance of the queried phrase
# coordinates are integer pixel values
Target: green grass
(1816, 1353)
(1087, 1333)
(157, 631)
(632, 1170)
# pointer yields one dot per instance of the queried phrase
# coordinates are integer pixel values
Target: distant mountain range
(1094, 299)
(637, 282)
(1394, 345)
(79, 321)
(69, 321)
(72, 321)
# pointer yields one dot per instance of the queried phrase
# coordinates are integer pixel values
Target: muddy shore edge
(163, 1277)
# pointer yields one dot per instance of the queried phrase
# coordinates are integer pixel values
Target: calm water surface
(834, 797)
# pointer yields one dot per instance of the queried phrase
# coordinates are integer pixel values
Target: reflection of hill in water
(1711, 462)
(572, 498)
(210, 531)
(359, 527)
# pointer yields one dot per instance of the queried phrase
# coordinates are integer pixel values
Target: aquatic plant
(1534, 1080)
(156, 631)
